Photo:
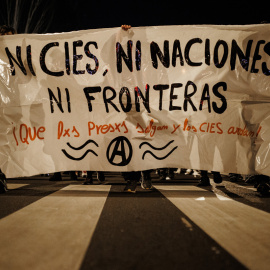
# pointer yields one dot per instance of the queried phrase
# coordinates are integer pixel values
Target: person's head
(7, 30)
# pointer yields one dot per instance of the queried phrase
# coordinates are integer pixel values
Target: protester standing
(5, 30)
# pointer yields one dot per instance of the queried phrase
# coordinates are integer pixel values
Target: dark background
(41, 16)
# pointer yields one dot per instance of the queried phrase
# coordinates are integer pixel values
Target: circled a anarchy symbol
(119, 151)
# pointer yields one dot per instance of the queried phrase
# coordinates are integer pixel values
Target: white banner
(150, 97)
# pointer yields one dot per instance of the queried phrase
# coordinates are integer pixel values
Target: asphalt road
(67, 225)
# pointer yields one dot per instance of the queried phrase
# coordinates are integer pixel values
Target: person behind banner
(132, 178)
(5, 30)
(89, 178)
(204, 181)
(58, 177)
(167, 174)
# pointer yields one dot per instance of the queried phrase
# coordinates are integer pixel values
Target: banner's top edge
(195, 26)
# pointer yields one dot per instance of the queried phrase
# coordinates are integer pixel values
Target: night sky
(72, 15)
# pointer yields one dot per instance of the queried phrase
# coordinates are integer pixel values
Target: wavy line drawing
(83, 145)
(156, 148)
(159, 158)
(79, 158)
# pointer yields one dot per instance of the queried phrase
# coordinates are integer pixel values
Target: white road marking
(242, 230)
(187, 224)
(54, 232)
(14, 186)
(222, 198)
(250, 188)
(200, 199)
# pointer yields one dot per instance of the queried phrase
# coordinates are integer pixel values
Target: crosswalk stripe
(15, 186)
(46, 232)
(53, 232)
(146, 231)
(240, 229)
(250, 188)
